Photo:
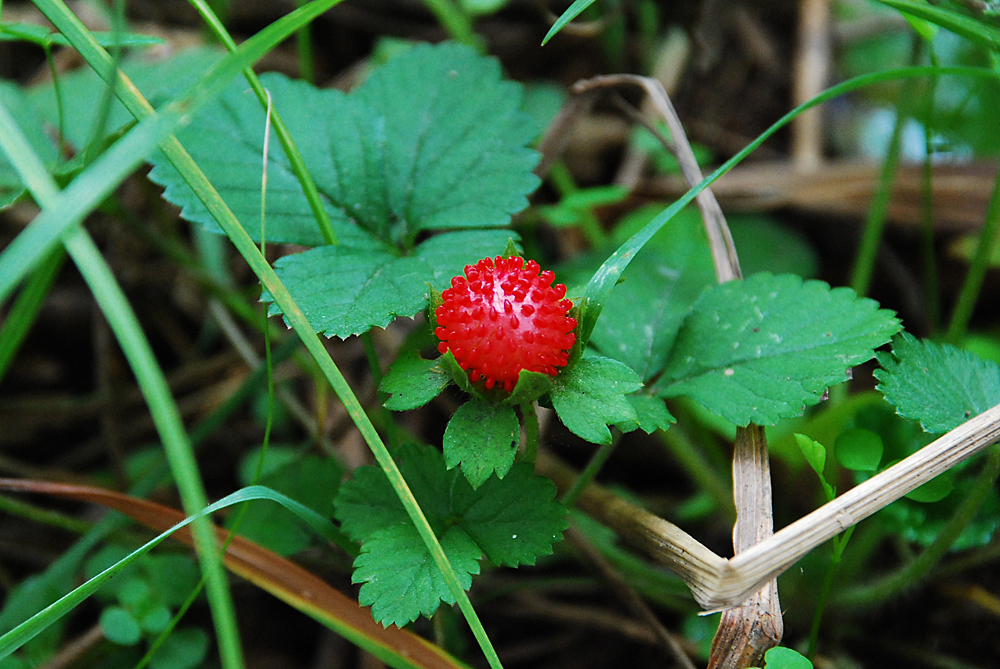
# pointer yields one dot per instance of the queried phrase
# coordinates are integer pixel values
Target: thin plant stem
(280, 130)
(24, 311)
(917, 569)
(878, 213)
(35, 514)
(589, 472)
(977, 270)
(96, 141)
(927, 220)
(839, 545)
(57, 89)
(456, 22)
(303, 43)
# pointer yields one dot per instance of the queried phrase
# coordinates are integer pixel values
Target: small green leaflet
(651, 412)
(349, 288)
(401, 581)
(815, 454)
(482, 437)
(433, 139)
(512, 521)
(859, 450)
(412, 382)
(764, 348)
(590, 395)
(939, 385)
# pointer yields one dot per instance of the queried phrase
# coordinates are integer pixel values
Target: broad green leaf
(590, 395)
(11, 185)
(412, 382)
(349, 288)
(512, 520)
(859, 450)
(651, 412)
(937, 384)
(765, 348)
(400, 579)
(433, 139)
(482, 437)
(452, 137)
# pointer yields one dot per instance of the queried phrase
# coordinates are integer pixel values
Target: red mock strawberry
(502, 317)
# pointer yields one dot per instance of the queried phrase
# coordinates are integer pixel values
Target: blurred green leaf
(859, 450)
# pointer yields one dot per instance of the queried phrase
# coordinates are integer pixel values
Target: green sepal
(483, 438)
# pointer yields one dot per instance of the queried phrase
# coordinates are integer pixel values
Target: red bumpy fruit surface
(502, 317)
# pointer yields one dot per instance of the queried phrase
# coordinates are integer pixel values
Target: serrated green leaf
(764, 348)
(651, 412)
(412, 382)
(859, 450)
(590, 395)
(433, 139)
(349, 288)
(939, 385)
(482, 437)
(513, 520)
(646, 309)
(401, 581)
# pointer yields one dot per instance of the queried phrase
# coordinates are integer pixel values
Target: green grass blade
(287, 143)
(24, 311)
(975, 31)
(574, 11)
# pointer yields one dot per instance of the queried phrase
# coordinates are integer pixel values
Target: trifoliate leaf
(512, 520)
(433, 139)
(651, 412)
(349, 288)
(937, 384)
(412, 382)
(765, 348)
(401, 579)
(590, 395)
(482, 437)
